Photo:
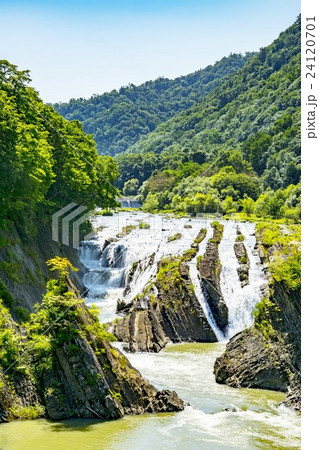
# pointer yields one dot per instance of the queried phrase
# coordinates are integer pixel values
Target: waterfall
(89, 254)
(129, 203)
(105, 277)
(240, 301)
(109, 265)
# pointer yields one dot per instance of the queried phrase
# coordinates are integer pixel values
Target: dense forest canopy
(45, 161)
(119, 118)
(224, 139)
(239, 142)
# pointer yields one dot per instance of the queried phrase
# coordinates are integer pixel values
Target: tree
(131, 187)
(255, 148)
(248, 205)
(151, 203)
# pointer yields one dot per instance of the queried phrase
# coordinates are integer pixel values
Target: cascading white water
(106, 274)
(129, 203)
(240, 301)
(108, 267)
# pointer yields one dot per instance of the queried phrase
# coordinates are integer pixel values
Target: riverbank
(219, 417)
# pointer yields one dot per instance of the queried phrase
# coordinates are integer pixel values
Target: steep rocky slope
(23, 268)
(267, 355)
(70, 368)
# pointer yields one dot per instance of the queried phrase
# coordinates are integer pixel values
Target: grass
(125, 231)
(27, 412)
(175, 237)
(144, 225)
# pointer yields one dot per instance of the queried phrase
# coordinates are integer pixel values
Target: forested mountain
(119, 118)
(241, 140)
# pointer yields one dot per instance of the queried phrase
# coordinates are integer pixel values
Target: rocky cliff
(70, 368)
(267, 355)
(242, 258)
(23, 269)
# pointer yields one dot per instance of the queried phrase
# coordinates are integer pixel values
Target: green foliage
(261, 316)
(116, 395)
(10, 341)
(218, 232)
(288, 270)
(27, 412)
(45, 161)
(246, 135)
(285, 265)
(255, 111)
(248, 205)
(22, 313)
(241, 183)
(131, 186)
(201, 236)
(54, 321)
(125, 231)
(151, 203)
(5, 294)
(174, 237)
(62, 265)
(144, 225)
(119, 118)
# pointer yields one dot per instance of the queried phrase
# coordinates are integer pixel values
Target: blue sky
(78, 48)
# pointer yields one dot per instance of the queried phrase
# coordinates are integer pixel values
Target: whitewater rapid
(109, 259)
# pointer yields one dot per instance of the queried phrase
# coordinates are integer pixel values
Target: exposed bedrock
(86, 377)
(244, 264)
(167, 310)
(267, 355)
(209, 268)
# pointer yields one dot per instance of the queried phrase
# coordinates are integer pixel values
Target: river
(217, 416)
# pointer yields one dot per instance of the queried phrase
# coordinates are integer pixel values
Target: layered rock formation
(167, 310)
(74, 371)
(267, 355)
(243, 260)
(209, 270)
(23, 268)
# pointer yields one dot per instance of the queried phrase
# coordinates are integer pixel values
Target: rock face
(209, 270)
(97, 380)
(87, 377)
(28, 274)
(248, 362)
(166, 311)
(267, 355)
(243, 260)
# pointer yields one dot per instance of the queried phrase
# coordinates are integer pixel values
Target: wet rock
(243, 260)
(209, 270)
(267, 355)
(168, 311)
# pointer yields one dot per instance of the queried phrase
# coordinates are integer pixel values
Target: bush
(174, 237)
(144, 226)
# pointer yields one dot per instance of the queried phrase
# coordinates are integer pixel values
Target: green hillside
(242, 140)
(119, 118)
